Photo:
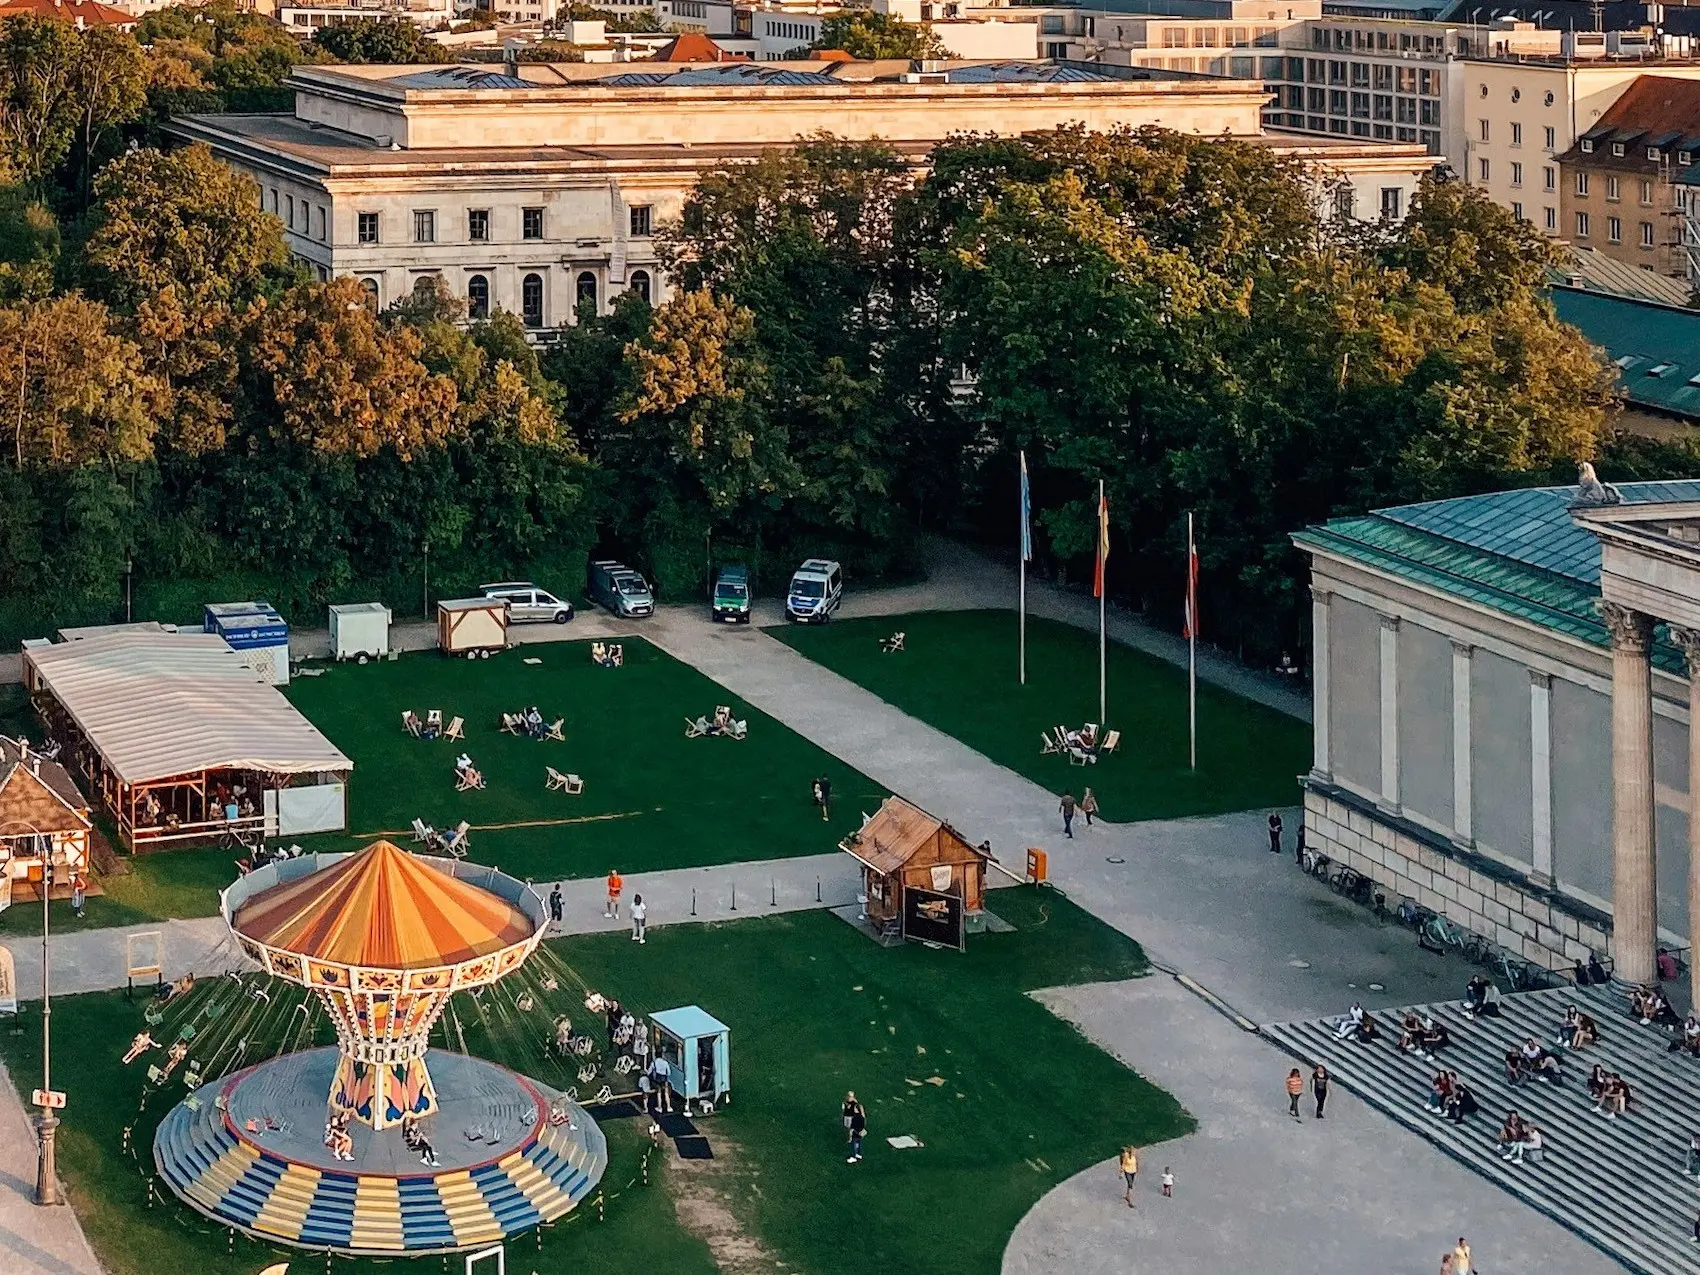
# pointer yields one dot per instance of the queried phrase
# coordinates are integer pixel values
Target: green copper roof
(1517, 552)
(1656, 347)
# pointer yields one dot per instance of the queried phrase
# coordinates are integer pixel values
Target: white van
(817, 587)
(526, 602)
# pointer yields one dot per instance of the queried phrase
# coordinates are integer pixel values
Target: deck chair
(456, 730)
(892, 643)
(455, 842)
(555, 731)
(1047, 745)
(553, 780)
(423, 831)
(467, 780)
(513, 723)
(410, 723)
(696, 729)
(740, 729)
(1112, 741)
(434, 720)
(1080, 757)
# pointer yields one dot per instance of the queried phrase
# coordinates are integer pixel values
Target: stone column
(1390, 712)
(1689, 641)
(1319, 707)
(1634, 876)
(1463, 801)
(1540, 776)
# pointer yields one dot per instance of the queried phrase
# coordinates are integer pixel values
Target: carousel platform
(247, 1151)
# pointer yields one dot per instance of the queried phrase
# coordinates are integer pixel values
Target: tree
(329, 379)
(74, 394)
(865, 34)
(1458, 239)
(109, 88)
(378, 40)
(41, 67)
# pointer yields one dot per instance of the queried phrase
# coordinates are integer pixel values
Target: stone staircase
(1616, 1183)
(271, 1197)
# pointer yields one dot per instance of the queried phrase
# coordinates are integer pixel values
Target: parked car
(816, 589)
(730, 599)
(526, 602)
(620, 589)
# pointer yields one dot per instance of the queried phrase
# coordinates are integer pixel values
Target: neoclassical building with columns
(1502, 704)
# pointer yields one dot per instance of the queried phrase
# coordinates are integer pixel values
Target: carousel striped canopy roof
(382, 908)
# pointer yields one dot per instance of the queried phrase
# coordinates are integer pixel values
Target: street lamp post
(47, 1124)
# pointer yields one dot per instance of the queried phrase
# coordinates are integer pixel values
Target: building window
(1646, 193)
(1614, 188)
(1484, 125)
(1392, 202)
(640, 221)
(1614, 230)
(1549, 99)
(1516, 174)
(478, 225)
(371, 289)
(1646, 234)
(1581, 183)
(368, 228)
(1482, 168)
(478, 297)
(531, 300)
(1653, 153)
(1551, 141)
(1551, 218)
(1516, 134)
(1517, 210)
(289, 211)
(531, 223)
(1345, 202)
(274, 201)
(424, 226)
(1549, 178)
(1587, 146)
(1581, 225)
(585, 288)
(1617, 150)
(319, 218)
(1685, 158)
(640, 284)
(1516, 96)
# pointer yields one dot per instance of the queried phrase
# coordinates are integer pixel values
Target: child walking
(1168, 1182)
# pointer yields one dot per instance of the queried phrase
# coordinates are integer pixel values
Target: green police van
(730, 600)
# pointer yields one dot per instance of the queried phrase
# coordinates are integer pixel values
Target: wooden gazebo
(902, 847)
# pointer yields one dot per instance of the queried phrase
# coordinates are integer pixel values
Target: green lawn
(815, 1009)
(958, 673)
(653, 799)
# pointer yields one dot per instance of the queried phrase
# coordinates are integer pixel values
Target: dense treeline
(848, 357)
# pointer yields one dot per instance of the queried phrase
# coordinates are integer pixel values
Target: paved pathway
(33, 1241)
(1256, 1193)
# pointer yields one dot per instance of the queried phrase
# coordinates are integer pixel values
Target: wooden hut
(41, 813)
(902, 847)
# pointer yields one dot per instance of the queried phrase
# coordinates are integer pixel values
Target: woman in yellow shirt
(1130, 1170)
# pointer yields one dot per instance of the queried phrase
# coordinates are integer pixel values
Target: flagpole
(1025, 549)
(1103, 596)
(1192, 643)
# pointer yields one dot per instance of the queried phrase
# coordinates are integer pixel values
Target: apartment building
(1619, 187)
(538, 190)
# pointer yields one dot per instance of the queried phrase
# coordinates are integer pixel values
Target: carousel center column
(1634, 898)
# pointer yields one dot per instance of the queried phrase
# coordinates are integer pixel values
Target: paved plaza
(1205, 898)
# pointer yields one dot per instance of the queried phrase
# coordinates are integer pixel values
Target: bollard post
(772, 893)
(817, 890)
(693, 900)
(734, 896)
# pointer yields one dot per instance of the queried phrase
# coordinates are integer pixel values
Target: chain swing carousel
(404, 1159)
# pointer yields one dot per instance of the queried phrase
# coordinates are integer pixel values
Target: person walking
(1319, 1088)
(557, 905)
(1295, 1091)
(1066, 805)
(858, 1127)
(79, 888)
(823, 797)
(1130, 1171)
(1088, 806)
(851, 1107)
(615, 885)
(640, 914)
(1275, 829)
(1462, 1263)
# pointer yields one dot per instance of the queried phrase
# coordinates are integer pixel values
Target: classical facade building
(1503, 690)
(542, 189)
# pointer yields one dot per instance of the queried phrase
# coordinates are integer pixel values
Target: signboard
(53, 1098)
(932, 917)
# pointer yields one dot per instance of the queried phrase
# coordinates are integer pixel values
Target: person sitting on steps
(1368, 1032)
(1614, 1097)
(1516, 1071)
(1689, 1041)
(1596, 1084)
(1481, 998)
(1410, 1033)
(1440, 1088)
(1510, 1133)
(1350, 1023)
(1529, 1145)
(1435, 1037)
(1549, 1069)
(1461, 1103)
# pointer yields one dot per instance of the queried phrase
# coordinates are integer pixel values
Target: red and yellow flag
(1103, 543)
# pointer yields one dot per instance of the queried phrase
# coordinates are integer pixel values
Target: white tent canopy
(157, 705)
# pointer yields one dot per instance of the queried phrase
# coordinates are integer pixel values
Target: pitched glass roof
(1639, 336)
(1518, 552)
(460, 77)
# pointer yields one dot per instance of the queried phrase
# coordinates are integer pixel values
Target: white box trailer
(360, 630)
(472, 626)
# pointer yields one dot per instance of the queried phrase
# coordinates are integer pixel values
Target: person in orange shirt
(615, 885)
(1295, 1091)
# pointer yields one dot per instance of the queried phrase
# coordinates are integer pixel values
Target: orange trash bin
(1036, 861)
